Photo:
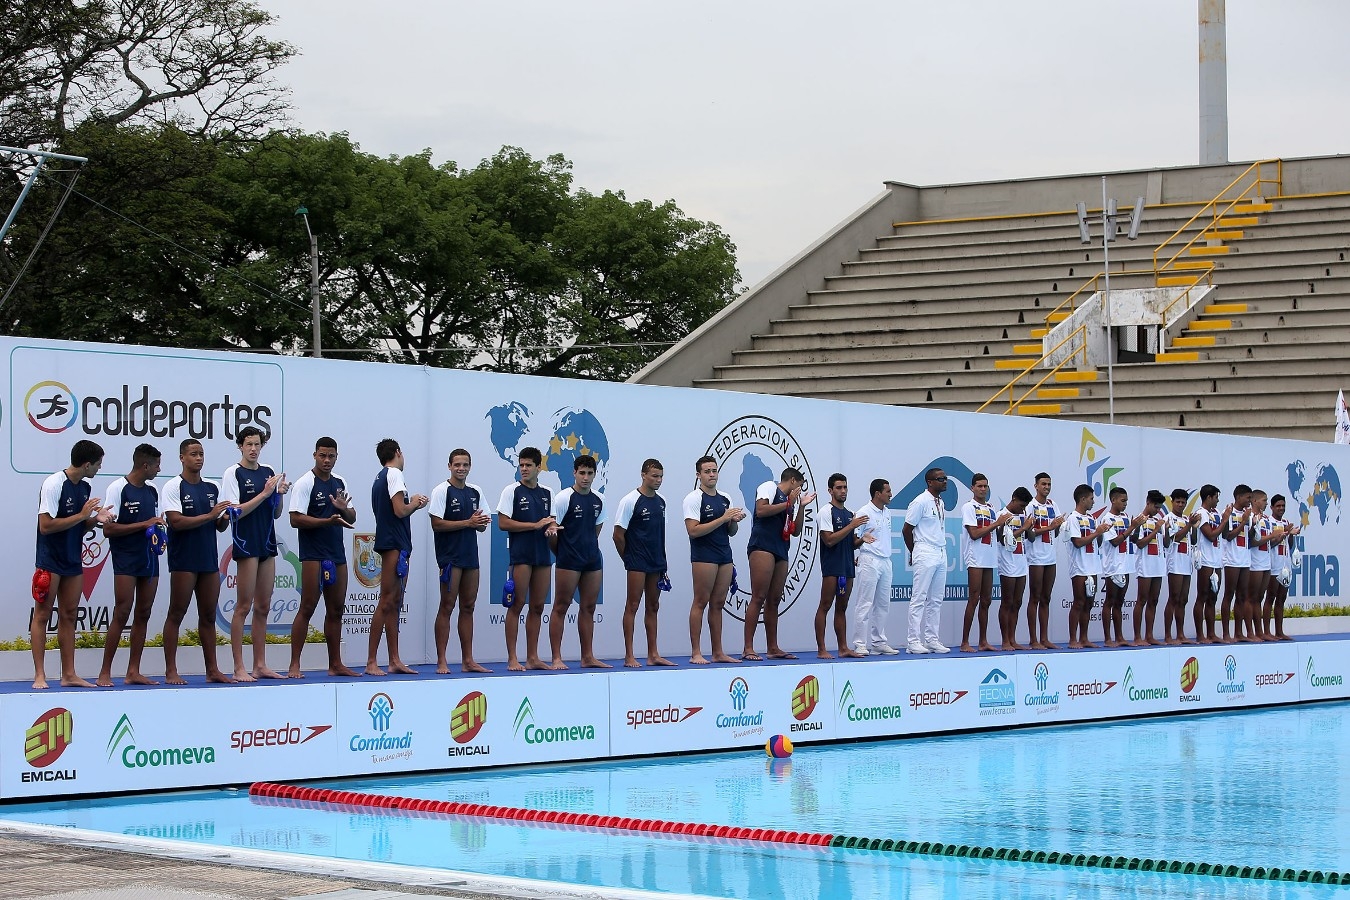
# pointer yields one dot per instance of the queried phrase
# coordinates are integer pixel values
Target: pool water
(1258, 788)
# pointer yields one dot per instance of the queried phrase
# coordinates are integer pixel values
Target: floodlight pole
(40, 158)
(1107, 222)
(303, 213)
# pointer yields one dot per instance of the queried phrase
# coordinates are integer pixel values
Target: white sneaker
(937, 647)
(916, 647)
(884, 649)
(860, 649)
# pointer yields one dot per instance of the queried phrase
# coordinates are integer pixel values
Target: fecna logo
(749, 451)
(52, 407)
(805, 696)
(380, 709)
(663, 715)
(1190, 677)
(467, 719)
(1315, 680)
(749, 723)
(1137, 694)
(998, 695)
(122, 745)
(44, 742)
(552, 734)
(287, 735)
(1231, 688)
(1044, 701)
(855, 712)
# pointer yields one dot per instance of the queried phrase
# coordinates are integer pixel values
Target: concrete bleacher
(939, 296)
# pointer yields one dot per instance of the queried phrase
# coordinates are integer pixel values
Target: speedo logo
(287, 735)
(1089, 688)
(935, 698)
(668, 715)
(1274, 678)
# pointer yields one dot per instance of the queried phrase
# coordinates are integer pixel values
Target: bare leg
(124, 598)
(262, 609)
(566, 581)
(37, 633)
(763, 565)
(208, 598)
(146, 588)
(534, 616)
(705, 577)
(590, 594)
(67, 605)
(521, 576)
(310, 593)
(441, 628)
(771, 605)
(635, 582)
(468, 600)
(246, 585)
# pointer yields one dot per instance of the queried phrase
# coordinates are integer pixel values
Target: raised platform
(65, 742)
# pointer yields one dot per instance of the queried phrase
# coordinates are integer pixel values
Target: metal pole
(1213, 82)
(1110, 335)
(314, 290)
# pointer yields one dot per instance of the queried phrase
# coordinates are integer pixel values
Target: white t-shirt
(1179, 561)
(929, 521)
(1087, 559)
(1262, 526)
(1012, 561)
(1152, 559)
(1237, 552)
(977, 553)
(1041, 550)
(1117, 560)
(878, 525)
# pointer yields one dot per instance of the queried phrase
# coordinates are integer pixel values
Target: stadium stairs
(944, 310)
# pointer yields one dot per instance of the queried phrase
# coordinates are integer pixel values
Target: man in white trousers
(925, 534)
(872, 580)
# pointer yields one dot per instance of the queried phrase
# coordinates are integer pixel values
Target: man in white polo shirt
(872, 581)
(925, 534)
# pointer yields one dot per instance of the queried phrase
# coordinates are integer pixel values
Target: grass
(189, 638)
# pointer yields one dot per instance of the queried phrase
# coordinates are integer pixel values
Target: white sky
(777, 120)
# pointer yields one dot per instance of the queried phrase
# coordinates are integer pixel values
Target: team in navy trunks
(1244, 554)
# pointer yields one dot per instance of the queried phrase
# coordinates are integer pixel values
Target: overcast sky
(777, 120)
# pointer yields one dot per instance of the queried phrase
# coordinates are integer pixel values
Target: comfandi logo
(740, 693)
(381, 711)
(1231, 688)
(854, 711)
(805, 696)
(744, 723)
(44, 742)
(998, 696)
(1138, 694)
(1043, 700)
(550, 734)
(122, 745)
(1318, 681)
(1042, 675)
(383, 746)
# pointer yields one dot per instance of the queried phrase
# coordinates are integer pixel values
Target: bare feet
(513, 665)
(265, 672)
(442, 669)
(137, 678)
(469, 665)
(966, 648)
(1046, 645)
(591, 662)
(557, 665)
(371, 669)
(1088, 645)
(40, 683)
(74, 681)
(780, 654)
(242, 676)
(535, 663)
(850, 653)
(211, 677)
(722, 657)
(658, 660)
(986, 646)
(294, 672)
(1283, 637)
(699, 659)
(1074, 645)
(824, 654)
(1005, 646)
(103, 680)
(1112, 644)
(1153, 642)
(399, 668)
(1016, 646)
(1137, 642)
(630, 662)
(175, 678)
(341, 671)
(1187, 640)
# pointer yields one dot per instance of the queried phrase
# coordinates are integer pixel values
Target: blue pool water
(1261, 788)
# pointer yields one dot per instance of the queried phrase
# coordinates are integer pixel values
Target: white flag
(1342, 420)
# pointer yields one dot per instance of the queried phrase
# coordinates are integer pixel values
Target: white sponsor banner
(140, 740)
(753, 437)
(1324, 670)
(1233, 675)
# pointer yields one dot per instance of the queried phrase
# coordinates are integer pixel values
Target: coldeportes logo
(855, 713)
(551, 734)
(739, 691)
(998, 696)
(122, 744)
(44, 742)
(665, 715)
(1315, 680)
(1043, 701)
(1231, 687)
(287, 735)
(380, 708)
(1190, 677)
(1135, 694)
(52, 407)
(805, 696)
(466, 720)
(750, 451)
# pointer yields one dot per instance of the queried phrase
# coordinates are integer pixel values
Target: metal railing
(1080, 331)
(1253, 176)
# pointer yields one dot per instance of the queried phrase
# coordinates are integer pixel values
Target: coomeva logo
(1315, 680)
(122, 744)
(1136, 694)
(552, 734)
(44, 742)
(854, 712)
(466, 720)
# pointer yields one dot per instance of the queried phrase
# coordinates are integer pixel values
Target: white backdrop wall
(120, 396)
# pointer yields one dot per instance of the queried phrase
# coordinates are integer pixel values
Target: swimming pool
(1259, 788)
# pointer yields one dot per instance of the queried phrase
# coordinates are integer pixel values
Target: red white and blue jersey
(1179, 561)
(61, 552)
(643, 520)
(1261, 528)
(1117, 560)
(255, 533)
(526, 504)
(1087, 559)
(458, 548)
(1012, 561)
(1237, 551)
(1152, 560)
(131, 553)
(1211, 552)
(194, 549)
(313, 496)
(579, 515)
(1041, 550)
(977, 553)
(715, 546)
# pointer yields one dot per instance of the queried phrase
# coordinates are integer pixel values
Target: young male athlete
(579, 512)
(1210, 571)
(1179, 536)
(255, 491)
(1012, 566)
(1150, 569)
(194, 513)
(459, 513)
(392, 507)
(1281, 572)
(1085, 563)
(640, 537)
(320, 509)
(771, 533)
(925, 534)
(980, 557)
(1237, 561)
(1117, 565)
(1046, 520)
(874, 573)
(839, 538)
(65, 513)
(525, 513)
(135, 545)
(1262, 533)
(710, 520)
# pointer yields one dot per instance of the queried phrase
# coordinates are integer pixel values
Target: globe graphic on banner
(561, 438)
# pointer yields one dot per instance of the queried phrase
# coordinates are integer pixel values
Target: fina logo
(998, 696)
(53, 409)
(1232, 687)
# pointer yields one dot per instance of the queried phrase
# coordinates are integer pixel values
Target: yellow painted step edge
(1222, 235)
(1218, 250)
(1039, 332)
(1225, 309)
(1194, 340)
(1176, 357)
(1027, 349)
(1013, 363)
(1177, 280)
(1210, 325)
(1039, 409)
(1068, 393)
(1073, 376)
(1237, 222)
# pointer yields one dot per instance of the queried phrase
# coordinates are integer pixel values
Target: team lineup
(1241, 558)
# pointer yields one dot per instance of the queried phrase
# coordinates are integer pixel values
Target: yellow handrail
(1213, 205)
(1209, 281)
(1068, 301)
(1013, 404)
